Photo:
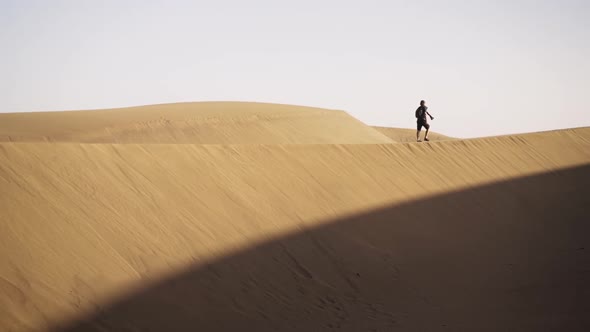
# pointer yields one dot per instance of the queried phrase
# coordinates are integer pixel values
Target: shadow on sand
(509, 256)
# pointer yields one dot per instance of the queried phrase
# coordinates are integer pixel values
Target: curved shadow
(510, 256)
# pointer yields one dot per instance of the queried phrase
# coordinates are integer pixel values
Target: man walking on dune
(421, 113)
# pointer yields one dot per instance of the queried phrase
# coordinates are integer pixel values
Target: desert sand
(247, 216)
(407, 135)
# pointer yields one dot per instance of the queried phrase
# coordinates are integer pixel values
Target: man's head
(421, 102)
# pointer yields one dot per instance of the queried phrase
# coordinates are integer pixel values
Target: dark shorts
(422, 123)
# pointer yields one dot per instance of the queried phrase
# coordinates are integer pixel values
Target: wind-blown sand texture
(289, 227)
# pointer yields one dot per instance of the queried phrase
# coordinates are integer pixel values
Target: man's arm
(431, 117)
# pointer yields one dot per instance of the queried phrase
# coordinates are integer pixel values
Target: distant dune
(198, 123)
(284, 234)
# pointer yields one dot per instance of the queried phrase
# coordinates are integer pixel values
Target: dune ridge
(197, 123)
(405, 135)
(85, 224)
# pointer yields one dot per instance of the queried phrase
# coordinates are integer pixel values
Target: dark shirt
(422, 113)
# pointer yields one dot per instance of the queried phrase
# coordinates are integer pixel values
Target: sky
(484, 67)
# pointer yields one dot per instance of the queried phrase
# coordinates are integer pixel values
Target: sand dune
(480, 234)
(403, 267)
(200, 123)
(405, 135)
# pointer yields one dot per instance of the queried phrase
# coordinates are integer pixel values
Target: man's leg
(418, 128)
(427, 126)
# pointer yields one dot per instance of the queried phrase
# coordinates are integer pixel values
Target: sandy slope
(202, 123)
(405, 135)
(84, 225)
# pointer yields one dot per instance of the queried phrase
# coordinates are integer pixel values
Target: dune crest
(195, 123)
(405, 135)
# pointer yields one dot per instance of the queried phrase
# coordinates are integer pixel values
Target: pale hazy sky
(483, 67)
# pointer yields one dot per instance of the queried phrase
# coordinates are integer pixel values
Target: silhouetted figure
(421, 113)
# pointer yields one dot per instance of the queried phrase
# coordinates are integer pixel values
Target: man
(421, 113)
